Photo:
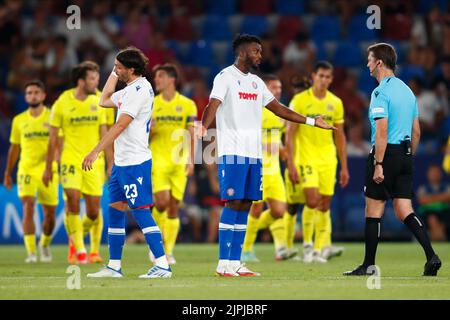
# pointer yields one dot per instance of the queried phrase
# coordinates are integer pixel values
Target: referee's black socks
(372, 236)
(418, 229)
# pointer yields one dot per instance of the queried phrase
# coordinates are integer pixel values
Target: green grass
(401, 268)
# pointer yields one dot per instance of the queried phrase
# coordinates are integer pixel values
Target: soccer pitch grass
(401, 268)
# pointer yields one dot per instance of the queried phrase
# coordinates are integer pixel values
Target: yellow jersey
(80, 122)
(169, 140)
(110, 116)
(31, 133)
(273, 127)
(110, 112)
(315, 145)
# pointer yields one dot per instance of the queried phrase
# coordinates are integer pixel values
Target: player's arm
(192, 148)
(51, 154)
(380, 147)
(432, 198)
(109, 154)
(122, 123)
(341, 145)
(108, 90)
(59, 148)
(415, 136)
(291, 129)
(11, 160)
(208, 115)
(286, 113)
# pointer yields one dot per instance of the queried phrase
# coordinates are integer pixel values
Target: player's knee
(28, 208)
(278, 212)
(312, 202)
(73, 204)
(162, 204)
(93, 210)
(49, 222)
(92, 213)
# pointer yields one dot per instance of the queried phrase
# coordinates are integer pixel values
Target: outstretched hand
(320, 123)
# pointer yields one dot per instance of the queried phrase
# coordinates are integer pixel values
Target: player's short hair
(322, 64)
(132, 57)
(269, 77)
(81, 70)
(242, 39)
(168, 68)
(36, 82)
(384, 52)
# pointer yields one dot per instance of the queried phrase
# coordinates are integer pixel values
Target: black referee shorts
(398, 175)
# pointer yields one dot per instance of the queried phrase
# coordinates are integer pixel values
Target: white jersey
(136, 100)
(239, 116)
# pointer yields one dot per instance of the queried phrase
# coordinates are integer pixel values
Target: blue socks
(226, 227)
(116, 233)
(240, 226)
(232, 227)
(151, 231)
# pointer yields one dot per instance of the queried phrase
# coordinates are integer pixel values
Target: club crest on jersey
(138, 87)
(230, 192)
(46, 124)
(178, 108)
(254, 85)
(330, 107)
(93, 107)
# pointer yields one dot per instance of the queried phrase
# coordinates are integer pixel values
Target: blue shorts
(132, 184)
(240, 178)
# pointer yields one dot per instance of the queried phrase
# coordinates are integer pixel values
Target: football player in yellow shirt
(77, 113)
(29, 139)
(312, 163)
(274, 193)
(172, 145)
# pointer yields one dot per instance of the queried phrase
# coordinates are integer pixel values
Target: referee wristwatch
(377, 163)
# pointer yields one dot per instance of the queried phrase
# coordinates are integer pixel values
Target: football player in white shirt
(130, 186)
(236, 102)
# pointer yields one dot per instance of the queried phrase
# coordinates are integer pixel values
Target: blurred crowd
(196, 35)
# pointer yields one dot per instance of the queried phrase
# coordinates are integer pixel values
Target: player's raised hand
(320, 123)
(47, 176)
(7, 181)
(89, 160)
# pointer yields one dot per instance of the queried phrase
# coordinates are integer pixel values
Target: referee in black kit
(395, 132)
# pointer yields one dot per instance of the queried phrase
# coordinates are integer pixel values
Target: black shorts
(398, 175)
